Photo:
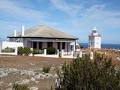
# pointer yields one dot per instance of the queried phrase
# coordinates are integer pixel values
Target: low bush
(84, 74)
(8, 50)
(24, 51)
(51, 50)
(20, 50)
(20, 87)
(46, 69)
(37, 51)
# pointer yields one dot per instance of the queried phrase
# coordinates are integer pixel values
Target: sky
(75, 17)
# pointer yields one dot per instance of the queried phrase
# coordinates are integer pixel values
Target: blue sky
(76, 17)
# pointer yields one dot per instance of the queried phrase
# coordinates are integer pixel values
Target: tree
(84, 74)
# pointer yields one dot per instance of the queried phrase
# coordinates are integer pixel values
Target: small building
(95, 39)
(42, 37)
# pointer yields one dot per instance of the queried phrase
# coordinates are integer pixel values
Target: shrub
(24, 51)
(84, 74)
(46, 69)
(20, 51)
(8, 50)
(51, 50)
(37, 51)
(20, 87)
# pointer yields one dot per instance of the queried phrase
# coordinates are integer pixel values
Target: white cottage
(41, 37)
(95, 39)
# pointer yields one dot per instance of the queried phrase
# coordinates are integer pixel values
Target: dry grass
(26, 61)
(29, 63)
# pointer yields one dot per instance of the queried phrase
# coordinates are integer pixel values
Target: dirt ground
(28, 70)
(18, 64)
(27, 61)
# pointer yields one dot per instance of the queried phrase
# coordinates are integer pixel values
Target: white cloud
(14, 10)
(98, 14)
(81, 19)
(70, 9)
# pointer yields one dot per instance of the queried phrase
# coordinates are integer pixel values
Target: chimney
(15, 33)
(23, 30)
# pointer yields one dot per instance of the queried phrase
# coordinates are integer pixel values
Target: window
(58, 45)
(40, 45)
(35, 45)
(63, 45)
(49, 44)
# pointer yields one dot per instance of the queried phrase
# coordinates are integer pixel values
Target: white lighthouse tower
(95, 39)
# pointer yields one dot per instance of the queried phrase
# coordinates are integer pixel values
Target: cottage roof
(45, 32)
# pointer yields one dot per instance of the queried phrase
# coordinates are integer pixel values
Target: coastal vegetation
(8, 50)
(27, 51)
(20, 87)
(24, 51)
(101, 73)
(46, 69)
(84, 74)
(51, 50)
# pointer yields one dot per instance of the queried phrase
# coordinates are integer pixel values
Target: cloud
(81, 16)
(93, 14)
(98, 14)
(87, 14)
(62, 5)
(14, 10)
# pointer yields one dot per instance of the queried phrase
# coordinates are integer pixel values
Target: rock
(25, 81)
(41, 69)
(43, 76)
(12, 70)
(118, 58)
(48, 75)
(32, 64)
(3, 73)
(9, 89)
(33, 88)
(1, 82)
(10, 84)
(55, 76)
(32, 79)
(38, 76)
(26, 72)
(52, 68)
(36, 82)
(60, 67)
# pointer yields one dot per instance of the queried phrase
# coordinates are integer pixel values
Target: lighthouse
(95, 39)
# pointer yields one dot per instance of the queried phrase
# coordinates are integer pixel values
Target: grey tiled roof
(45, 32)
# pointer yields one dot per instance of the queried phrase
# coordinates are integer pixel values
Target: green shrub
(46, 69)
(8, 50)
(51, 50)
(24, 51)
(20, 87)
(37, 51)
(20, 50)
(84, 74)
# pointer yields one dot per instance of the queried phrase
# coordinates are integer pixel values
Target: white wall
(5, 44)
(97, 42)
